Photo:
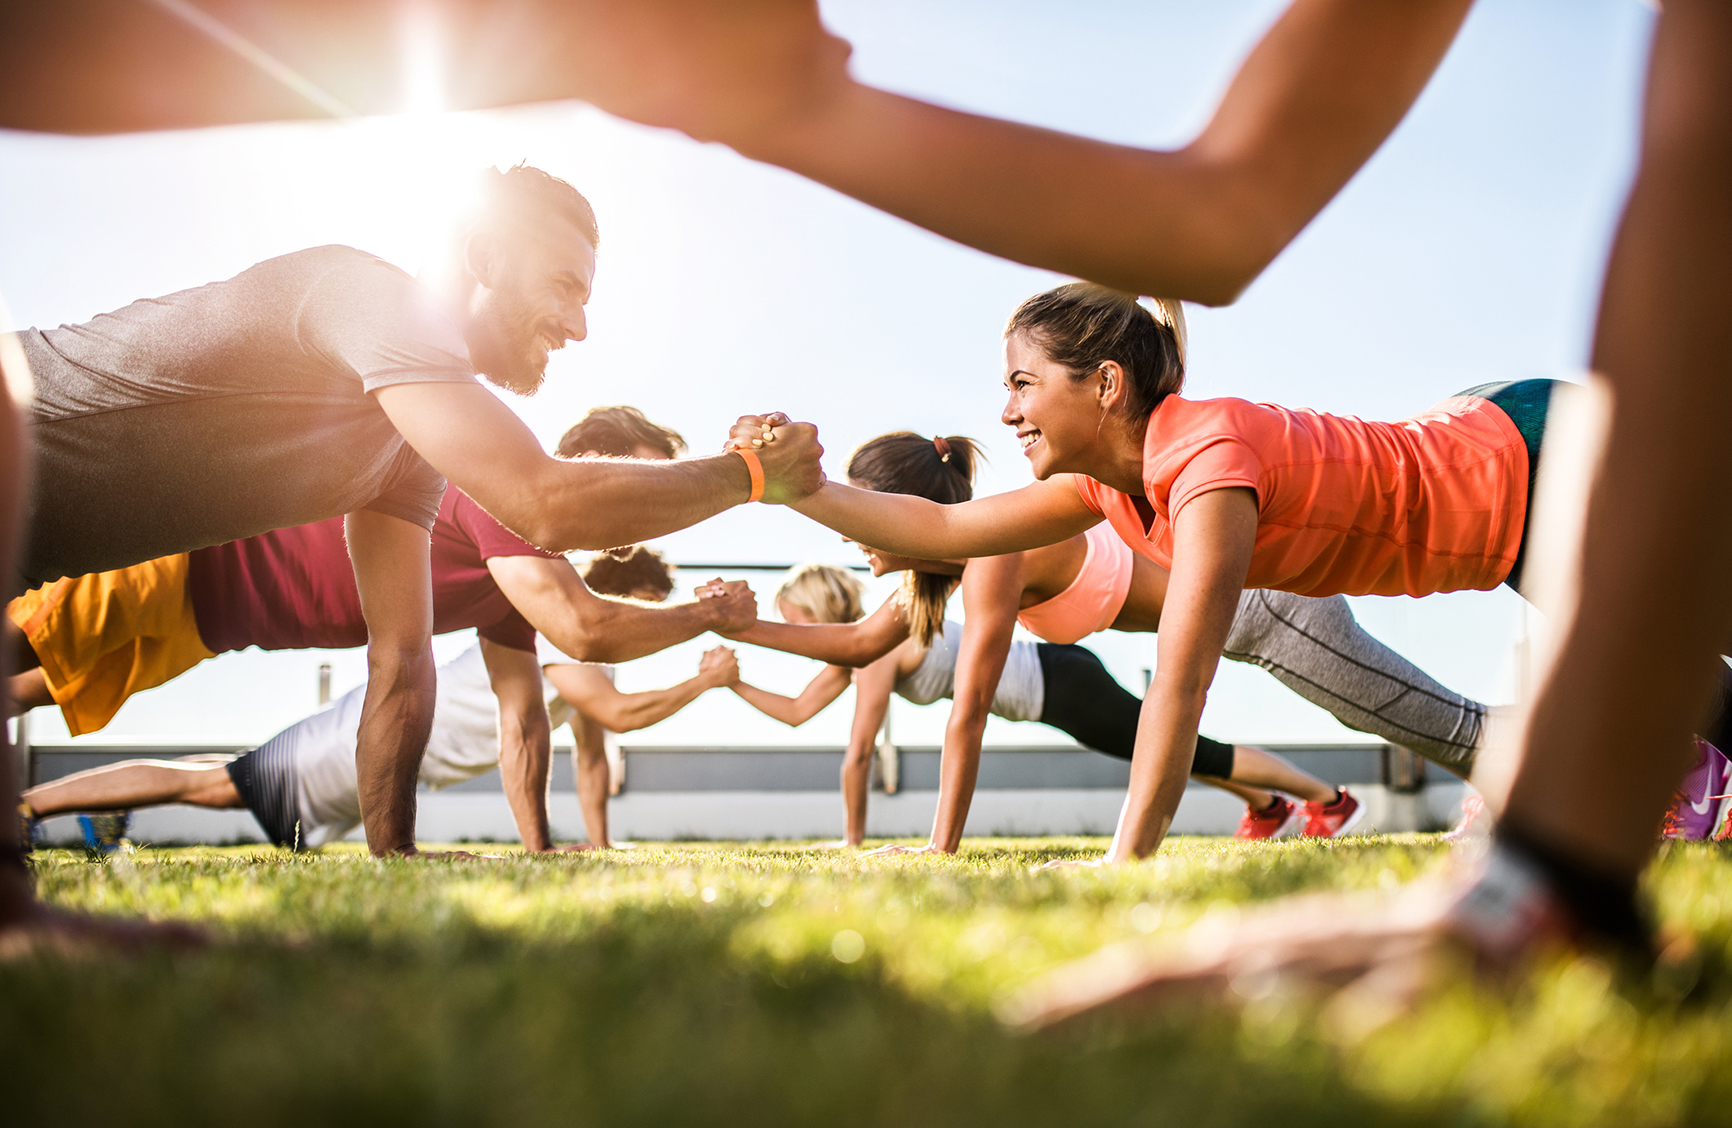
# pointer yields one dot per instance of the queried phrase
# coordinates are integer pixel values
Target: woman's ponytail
(939, 469)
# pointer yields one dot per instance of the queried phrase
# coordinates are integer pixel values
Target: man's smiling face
(531, 290)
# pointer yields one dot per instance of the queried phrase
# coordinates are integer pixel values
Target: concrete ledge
(692, 769)
(450, 816)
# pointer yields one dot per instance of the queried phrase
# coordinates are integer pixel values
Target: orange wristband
(755, 469)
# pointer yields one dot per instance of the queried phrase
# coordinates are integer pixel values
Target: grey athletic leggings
(1316, 648)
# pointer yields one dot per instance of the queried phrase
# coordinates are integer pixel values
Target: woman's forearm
(913, 526)
(958, 772)
(840, 644)
(773, 705)
(1160, 768)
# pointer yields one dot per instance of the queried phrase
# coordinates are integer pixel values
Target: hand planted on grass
(895, 848)
(732, 603)
(789, 452)
(1071, 863)
(1376, 952)
(727, 72)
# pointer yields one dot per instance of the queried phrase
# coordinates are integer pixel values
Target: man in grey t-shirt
(252, 396)
(328, 382)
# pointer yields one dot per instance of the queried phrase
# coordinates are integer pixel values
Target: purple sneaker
(1699, 805)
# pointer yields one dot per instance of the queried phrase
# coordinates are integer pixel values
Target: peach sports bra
(1093, 599)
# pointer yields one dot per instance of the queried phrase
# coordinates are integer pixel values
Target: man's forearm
(608, 631)
(525, 751)
(601, 503)
(641, 710)
(396, 719)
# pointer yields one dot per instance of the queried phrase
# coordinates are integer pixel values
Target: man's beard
(512, 350)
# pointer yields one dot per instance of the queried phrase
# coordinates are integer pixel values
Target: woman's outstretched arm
(841, 644)
(795, 711)
(1213, 538)
(1036, 515)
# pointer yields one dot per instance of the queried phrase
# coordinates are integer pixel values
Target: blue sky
(1468, 250)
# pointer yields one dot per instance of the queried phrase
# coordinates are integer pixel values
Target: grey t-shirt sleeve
(368, 317)
(413, 491)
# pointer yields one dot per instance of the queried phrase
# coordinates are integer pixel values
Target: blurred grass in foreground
(777, 984)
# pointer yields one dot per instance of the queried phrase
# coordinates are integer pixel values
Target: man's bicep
(540, 586)
(471, 438)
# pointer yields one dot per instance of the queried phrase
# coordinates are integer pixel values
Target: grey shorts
(265, 779)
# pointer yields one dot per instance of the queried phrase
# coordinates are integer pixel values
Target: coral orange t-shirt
(1432, 503)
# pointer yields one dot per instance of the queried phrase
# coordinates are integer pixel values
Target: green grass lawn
(774, 984)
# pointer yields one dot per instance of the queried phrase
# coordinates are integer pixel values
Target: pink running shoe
(1699, 806)
(1277, 820)
(1475, 820)
(1332, 820)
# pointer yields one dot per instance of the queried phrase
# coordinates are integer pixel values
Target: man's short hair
(617, 431)
(626, 571)
(523, 196)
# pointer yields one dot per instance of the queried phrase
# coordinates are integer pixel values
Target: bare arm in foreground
(1313, 100)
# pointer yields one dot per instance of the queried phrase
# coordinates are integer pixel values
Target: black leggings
(1088, 704)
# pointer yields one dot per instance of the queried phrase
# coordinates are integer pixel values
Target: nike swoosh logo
(1707, 798)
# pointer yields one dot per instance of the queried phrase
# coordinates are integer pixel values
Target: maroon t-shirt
(294, 588)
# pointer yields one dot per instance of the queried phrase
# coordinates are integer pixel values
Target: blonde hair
(827, 593)
(1171, 313)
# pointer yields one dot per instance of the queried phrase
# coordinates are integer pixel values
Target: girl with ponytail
(1062, 593)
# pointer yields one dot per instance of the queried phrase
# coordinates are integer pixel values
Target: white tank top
(1021, 694)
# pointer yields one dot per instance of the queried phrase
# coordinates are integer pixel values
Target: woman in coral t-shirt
(1225, 494)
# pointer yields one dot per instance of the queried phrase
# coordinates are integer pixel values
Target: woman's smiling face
(1056, 418)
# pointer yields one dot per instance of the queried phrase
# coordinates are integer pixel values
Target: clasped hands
(789, 452)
